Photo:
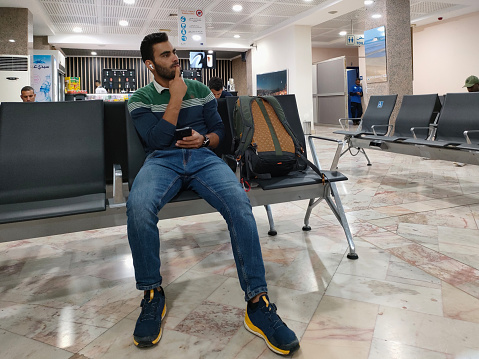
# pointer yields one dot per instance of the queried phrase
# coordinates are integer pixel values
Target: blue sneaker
(148, 326)
(261, 319)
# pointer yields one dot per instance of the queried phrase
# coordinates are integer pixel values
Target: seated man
(27, 94)
(216, 86)
(157, 110)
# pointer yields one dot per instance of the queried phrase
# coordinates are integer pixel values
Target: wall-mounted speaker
(243, 56)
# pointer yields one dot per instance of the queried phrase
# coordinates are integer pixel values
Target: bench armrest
(466, 135)
(430, 128)
(387, 132)
(118, 199)
(344, 122)
(340, 144)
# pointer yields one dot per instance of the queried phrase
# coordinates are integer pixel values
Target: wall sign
(191, 27)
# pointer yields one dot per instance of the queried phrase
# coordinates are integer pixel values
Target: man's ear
(149, 64)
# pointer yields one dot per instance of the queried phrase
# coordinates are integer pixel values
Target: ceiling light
(368, 2)
(11, 40)
(343, 33)
(196, 37)
(129, 2)
(77, 29)
(93, 53)
(210, 51)
(123, 23)
(376, 16)
(236, 36)
(237, 7)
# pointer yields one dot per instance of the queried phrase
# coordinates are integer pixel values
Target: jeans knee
(140, 205)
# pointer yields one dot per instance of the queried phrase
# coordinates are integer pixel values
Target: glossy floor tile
(413, 292)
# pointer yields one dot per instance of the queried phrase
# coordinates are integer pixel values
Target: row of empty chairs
(423, 127)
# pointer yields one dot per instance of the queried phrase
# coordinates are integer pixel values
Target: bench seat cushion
(431, 143)
(299, 178)
(14, 212)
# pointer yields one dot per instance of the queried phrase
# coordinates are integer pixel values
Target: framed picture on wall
(272, 83)
(375, 49)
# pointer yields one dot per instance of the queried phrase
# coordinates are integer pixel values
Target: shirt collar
(158, 87)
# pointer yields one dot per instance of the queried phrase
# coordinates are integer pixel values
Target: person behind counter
(99, 88)
(27, 94)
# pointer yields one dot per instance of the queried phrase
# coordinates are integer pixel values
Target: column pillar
(18, 26)
(395, 16)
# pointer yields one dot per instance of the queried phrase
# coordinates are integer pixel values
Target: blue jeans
(163, 175)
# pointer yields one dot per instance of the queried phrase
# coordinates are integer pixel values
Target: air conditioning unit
(14, 74)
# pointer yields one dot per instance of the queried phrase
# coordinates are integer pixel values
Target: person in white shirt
(99, 88)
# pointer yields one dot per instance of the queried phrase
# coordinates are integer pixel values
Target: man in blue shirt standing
(356, 93)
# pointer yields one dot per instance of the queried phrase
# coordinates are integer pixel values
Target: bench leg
(365, 155)
(311, 205)
(338, 210)
(347, 141)
(272, 230)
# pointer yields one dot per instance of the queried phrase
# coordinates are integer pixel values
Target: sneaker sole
(147, 344)
(250, 327)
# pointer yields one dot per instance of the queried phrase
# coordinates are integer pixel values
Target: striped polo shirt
(198, 111)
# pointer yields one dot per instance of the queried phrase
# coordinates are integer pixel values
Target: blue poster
(42, 77)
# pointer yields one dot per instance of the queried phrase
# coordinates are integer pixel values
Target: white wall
(288, 49)
(445, 54)
(326, 53)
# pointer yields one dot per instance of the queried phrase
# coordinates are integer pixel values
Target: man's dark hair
(358, 79)
(146, 47)
(27, 88)
(215, 83)
(97, 81)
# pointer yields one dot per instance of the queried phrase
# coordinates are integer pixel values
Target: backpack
(265, 143)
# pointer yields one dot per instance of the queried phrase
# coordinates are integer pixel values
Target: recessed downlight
(77, 29)
(236, 36)
(123, 23)
(11, 40)
(129, 2)
(368, 2)
(376, 16)
(343, 33)
(94, 53)
(237, 7)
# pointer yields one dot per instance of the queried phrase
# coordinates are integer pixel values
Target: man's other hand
(194, 141)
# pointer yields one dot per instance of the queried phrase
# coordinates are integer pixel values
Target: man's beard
(165, 72)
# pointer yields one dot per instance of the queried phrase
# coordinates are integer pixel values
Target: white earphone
(151, 66)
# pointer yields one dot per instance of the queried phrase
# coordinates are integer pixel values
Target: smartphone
(183, 132)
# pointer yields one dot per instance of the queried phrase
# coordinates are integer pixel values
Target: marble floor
(413, 292)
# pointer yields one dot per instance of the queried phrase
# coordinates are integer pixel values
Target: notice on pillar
(191, 28)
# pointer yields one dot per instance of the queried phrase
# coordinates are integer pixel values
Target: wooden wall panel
(90, 68)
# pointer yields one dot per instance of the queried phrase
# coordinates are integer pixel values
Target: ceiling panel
(248, 7)
(100, 17)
